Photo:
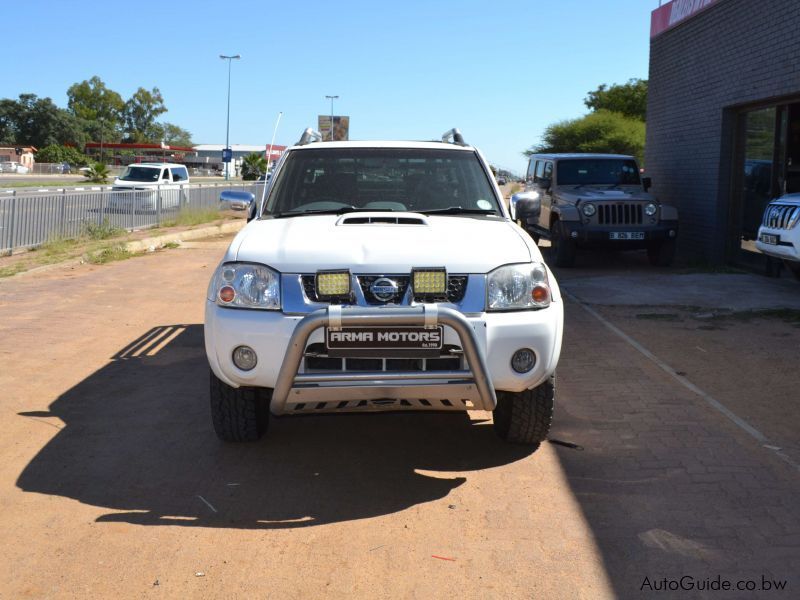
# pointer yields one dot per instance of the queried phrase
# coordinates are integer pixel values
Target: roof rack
(455, 135)
(309, 135)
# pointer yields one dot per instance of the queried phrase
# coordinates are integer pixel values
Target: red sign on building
(667, 16)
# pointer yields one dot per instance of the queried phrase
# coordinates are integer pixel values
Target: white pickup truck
(382, 276)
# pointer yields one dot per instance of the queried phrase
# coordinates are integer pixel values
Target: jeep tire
(525, 417)
(561, 246)
(238, 414)
(661, 254)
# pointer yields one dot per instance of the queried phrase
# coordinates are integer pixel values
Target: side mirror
(647, 183)
(526, 204)
(236, 200)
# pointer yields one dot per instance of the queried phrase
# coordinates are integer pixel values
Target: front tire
(238, 414)
(562, 247)
(525, 417)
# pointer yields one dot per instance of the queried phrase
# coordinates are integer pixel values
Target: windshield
(598, 171)
(384, 179)
(141, 174)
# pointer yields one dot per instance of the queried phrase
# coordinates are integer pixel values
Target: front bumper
(787, 246)
(488, 341)
(590, 235)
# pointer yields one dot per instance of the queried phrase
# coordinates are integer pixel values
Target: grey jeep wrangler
(586, 200)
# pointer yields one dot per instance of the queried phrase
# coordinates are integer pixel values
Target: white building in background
(209, 156)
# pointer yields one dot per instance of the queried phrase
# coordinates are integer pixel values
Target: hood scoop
(382, 218)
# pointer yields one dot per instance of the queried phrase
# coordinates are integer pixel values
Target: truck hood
(354, 241)
(602, 193)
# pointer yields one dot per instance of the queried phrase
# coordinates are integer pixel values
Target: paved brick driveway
(112, 483)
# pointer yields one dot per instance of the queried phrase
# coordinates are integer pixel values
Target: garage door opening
(767, 167)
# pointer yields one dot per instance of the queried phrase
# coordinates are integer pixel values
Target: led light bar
(333, 284)
(429, 281)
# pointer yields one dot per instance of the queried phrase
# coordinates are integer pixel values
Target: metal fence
(29, 219)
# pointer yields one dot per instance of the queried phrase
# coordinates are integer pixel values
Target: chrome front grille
(781, 216)
(618, 213)
(456, 288)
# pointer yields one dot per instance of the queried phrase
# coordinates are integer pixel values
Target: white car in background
(13, 167)
(779, 233)
(149, 187)
(382, 276)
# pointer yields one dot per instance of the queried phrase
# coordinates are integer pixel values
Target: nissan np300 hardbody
(382, 276)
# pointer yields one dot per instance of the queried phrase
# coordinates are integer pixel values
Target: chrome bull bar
(384, 384)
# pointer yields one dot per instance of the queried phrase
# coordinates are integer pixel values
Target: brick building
(723, 118)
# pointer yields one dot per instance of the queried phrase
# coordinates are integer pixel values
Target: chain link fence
(29, 219)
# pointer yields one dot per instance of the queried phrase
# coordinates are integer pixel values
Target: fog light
(671, 233)
(523, 360)
(573, 234)
(429, 281)
(245, 358)
(333, 283)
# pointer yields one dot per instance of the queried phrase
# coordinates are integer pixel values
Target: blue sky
(500, 71)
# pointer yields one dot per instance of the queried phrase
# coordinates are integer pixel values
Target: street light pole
(332, 98)
(228, 120)
(102, 127)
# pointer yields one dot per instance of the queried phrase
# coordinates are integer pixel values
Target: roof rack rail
(309, 135)
(455, 135)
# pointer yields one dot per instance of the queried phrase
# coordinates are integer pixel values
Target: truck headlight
(245, 285)
(589, 209)
(517, 287)
(650, 209)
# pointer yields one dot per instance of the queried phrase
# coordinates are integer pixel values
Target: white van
(142, 185)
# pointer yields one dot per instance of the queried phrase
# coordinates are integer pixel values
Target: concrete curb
(149, 244)
(159, 241)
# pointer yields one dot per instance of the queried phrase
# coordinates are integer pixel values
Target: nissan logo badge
(384, 289)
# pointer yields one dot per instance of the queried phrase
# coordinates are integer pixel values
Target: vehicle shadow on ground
(138, 439)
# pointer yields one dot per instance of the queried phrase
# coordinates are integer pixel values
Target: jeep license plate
(626, 235)
(770, 239)
(384, 338)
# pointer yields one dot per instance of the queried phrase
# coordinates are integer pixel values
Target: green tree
(55, 153)
(173, 135)
(35, 121)
(140, 113)
(99, 108)
(600, 131)
(254, 165)
(629, 99)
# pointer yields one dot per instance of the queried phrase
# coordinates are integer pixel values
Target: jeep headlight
(245, 285)
(517, 287)
(650, 209)
(589, 209)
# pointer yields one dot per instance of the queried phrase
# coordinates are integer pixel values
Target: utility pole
(228, 120)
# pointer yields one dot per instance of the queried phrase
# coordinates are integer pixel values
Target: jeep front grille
(781, 216)
(619, 214)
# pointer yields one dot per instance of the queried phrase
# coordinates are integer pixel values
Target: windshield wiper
(458, 210)
(329, 211)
